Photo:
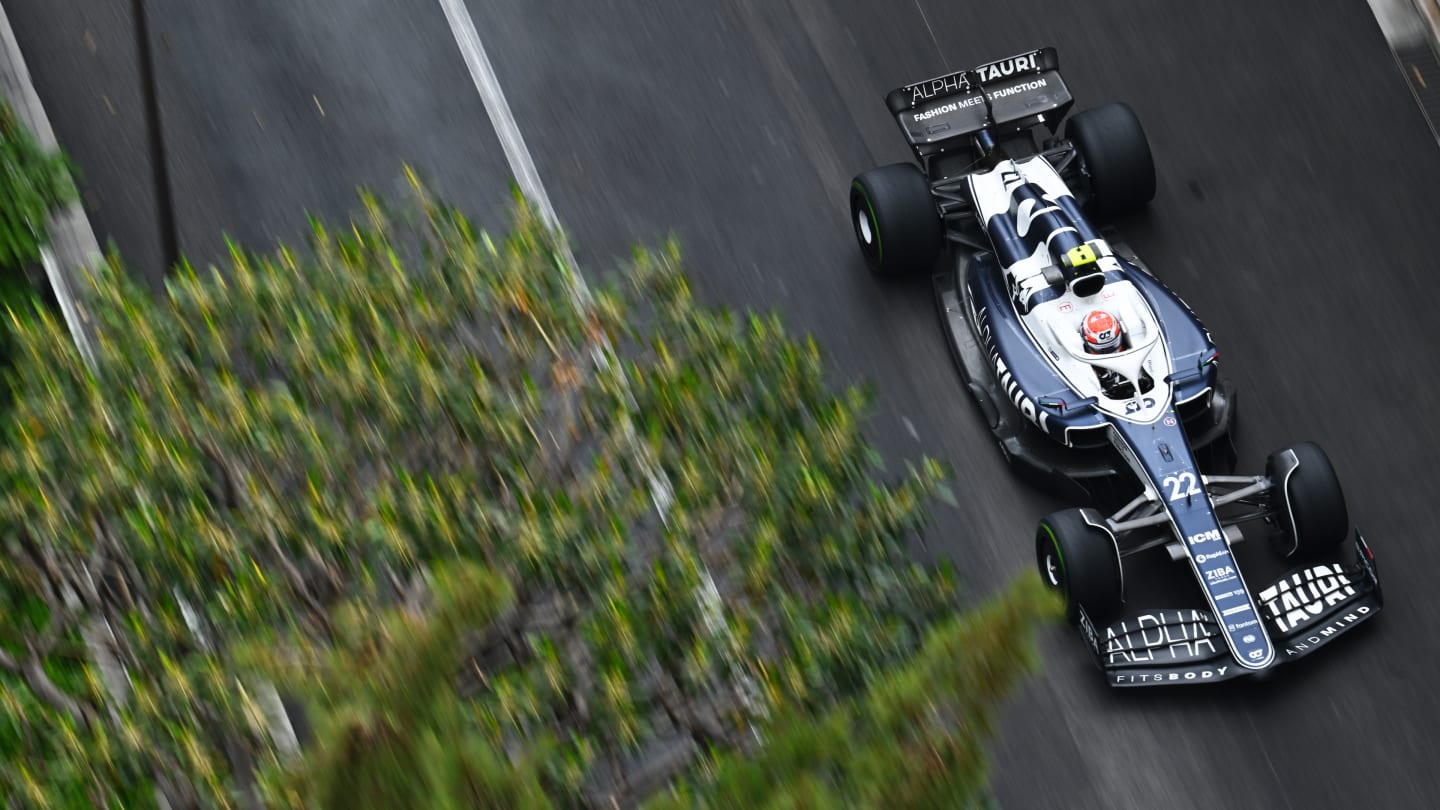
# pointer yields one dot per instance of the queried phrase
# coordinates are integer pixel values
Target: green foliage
(392, 737)
(913, 740)
(32, 184)
(402, 475)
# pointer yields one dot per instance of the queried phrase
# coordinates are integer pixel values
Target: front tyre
(1308, 502)
(1079, 560)
(895, 219)
(1116, 155)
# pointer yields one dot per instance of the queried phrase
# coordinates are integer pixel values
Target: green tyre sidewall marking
(874, 223)
(1064, 574)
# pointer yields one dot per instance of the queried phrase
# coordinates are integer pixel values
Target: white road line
(944, 60)
(528, 178)
(483, 73)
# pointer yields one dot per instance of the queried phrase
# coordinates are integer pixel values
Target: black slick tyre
(1079, 560)
(895, 219)
(1116, 155)
(1309, 504)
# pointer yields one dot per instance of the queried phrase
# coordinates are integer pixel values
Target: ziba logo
(1224, 574)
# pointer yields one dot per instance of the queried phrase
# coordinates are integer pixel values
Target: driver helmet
(1102, 332)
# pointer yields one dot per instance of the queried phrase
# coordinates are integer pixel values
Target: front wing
(1304, 610)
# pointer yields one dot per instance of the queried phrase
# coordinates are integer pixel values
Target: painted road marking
(488, 85)
(522, 164)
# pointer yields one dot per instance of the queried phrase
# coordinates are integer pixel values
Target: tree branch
(33, 671)
(704, 727)
(296, 579)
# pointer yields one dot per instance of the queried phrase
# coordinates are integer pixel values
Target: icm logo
(1203, 537)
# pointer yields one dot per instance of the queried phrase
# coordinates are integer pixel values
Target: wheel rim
(862, 225)
(867, 231)
(1052, 562)
(1052, 570)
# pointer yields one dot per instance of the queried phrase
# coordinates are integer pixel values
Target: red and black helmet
(1102, 332)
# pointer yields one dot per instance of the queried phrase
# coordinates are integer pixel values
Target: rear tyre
(1079, 560)
(895, 219)
(1309, 504)
(1116, 155)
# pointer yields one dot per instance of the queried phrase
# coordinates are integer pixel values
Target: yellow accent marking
(1418, 77)
(1081, 255)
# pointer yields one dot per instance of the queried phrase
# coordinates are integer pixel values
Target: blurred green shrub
(389, 475)
(33, 183)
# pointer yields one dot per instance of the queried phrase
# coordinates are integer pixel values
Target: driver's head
(1101, 331)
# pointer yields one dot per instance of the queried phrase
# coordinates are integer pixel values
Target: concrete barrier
(73, 250)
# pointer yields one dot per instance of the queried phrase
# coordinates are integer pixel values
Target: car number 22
(1181, 486)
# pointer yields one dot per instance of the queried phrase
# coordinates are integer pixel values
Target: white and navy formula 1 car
(1093, 374)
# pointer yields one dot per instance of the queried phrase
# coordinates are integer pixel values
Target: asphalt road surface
(1296, 197)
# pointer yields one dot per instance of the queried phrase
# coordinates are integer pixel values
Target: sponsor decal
(1216, 576)
(1214, 555)
(1024, 87)
(952, 85)
(1008, 67)
(962, 82)
(1203, 537)
(1304, 595)
(943, 86)
(1249, 638)
(1230, 594)
(1255, 655)
(1169, 421)
(1167, 677)
(1065, 306)
(1299, 646)
(1158, 637)
(1233, 626)
(1234, 610)
(947, 108)
(1087, 629)
(1023, 403)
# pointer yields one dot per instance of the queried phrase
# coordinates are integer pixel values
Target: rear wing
(1008, 95)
